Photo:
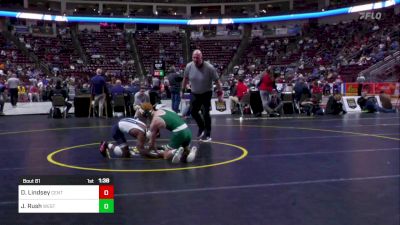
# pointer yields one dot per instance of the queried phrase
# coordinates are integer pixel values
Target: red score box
(106, 191)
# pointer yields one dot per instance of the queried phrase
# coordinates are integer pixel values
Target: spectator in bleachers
(394, 46)
(316, 88)
(326, 89)
(22, 93)
(99, 90)
(33, 93)
(336, 87)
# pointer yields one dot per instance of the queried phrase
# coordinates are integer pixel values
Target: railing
(241, 49)
(78, 46)
(378, 68)
(135, 54)
(385, 69)
(186, 46)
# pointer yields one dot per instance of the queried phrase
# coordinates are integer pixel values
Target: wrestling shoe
(200, 134)
(192, 154)
(177, 155)
(104, 149)
(205, 138)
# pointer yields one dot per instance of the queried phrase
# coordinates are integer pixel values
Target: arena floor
(327, 170)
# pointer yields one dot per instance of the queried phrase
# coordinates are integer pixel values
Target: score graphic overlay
(66, 194)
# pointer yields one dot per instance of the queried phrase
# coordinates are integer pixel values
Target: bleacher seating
(154, 46)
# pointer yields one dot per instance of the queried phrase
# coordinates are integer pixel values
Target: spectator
(327, 89)
(59, 90)
(2, 97)
(387, 106)
(134, 87)
(117, 89)
(275, 105)
(33, 93)
(175, 82)
(334, 105)
(266, 85)
(239, 91)
(99, 91)
(367, 104)
(13, 83)
(141, 97)
(301, 91)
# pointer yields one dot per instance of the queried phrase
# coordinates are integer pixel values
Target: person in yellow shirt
(21, 93)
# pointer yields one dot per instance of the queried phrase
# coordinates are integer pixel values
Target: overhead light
(175, 13)
(201, 12)
(49, 9)
(74, 10)
(156, 12)
(94, 9)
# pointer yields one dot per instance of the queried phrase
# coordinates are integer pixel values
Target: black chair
(119, 103)
(58, 102)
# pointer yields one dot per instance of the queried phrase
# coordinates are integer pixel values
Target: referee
(201, 76)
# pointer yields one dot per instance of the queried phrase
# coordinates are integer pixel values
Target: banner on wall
(222, 33)
(196, 34)
(369, 88)
(21, 29)
(388, 88)
(351, 89)
(281, 31)
(257, 33)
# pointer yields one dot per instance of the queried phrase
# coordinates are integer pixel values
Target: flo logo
(220, 106)
(370, 15)
(351, 102)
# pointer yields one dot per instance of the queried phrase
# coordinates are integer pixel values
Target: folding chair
(243, 102)
(287, 98)
(58, 101)
(119, 101)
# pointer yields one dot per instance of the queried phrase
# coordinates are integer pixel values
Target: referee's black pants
(202, 102)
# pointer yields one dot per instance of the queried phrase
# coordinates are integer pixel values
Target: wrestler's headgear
(146, 109)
